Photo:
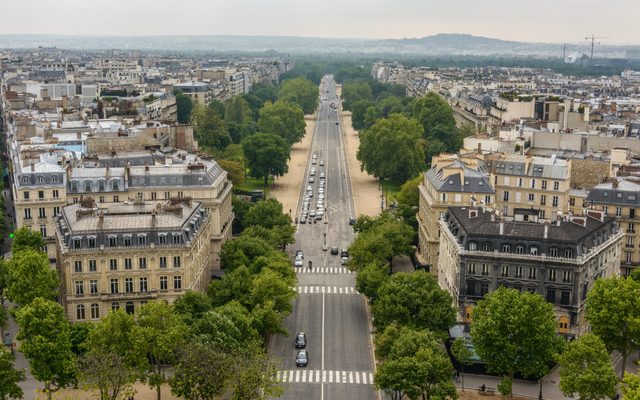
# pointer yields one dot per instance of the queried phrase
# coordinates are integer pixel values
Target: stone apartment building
(480, 251)
(121, 255)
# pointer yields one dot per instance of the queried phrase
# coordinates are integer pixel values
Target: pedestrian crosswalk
(324, 270)
(324, 376)
(326, 289)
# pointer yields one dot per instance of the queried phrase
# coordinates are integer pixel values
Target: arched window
(80, 312)
(115, 306)
(129, 308)
(95, 311)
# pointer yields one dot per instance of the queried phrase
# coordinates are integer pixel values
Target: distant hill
(440, 44)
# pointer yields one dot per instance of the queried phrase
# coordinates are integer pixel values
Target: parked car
(311, 180)
(301, 340)
(302, 359)
(321, 163)
(309, 188)
(344, 253)
(334, 250)
(352, 221)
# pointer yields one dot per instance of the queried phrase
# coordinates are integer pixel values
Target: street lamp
(540, 393)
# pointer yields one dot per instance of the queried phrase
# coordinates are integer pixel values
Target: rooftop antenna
(593, 39)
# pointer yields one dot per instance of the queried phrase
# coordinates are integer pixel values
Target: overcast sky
(535, 21)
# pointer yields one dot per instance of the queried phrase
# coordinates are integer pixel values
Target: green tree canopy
(431, 111)
(410, 192)
(631, 387)
(267, 213)
(235, 170)
(515, 332)
(185, 107)
(300, 91)
(243, 251)
(26, 239)
(462, 353)
(353, 92)
(209, 128)
(283, 119)
(370, 278)
(201, 372)
(586, 369)
(267, 154)
(29, 276)
(192, 305)
(613, 310)
(234, 285)
(45, 341)
(392, 148)
(9, 377)
(414, 300)
(219, 331)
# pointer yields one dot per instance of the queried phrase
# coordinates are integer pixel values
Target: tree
(79, 334)
(631, 387)
(192, 305)
(241, 319)
(413, 300)
(235, 170)
(240, 209)
(268, 286)
(431, 111)
(185, 107)
(267, 154)
(267, 213)
(586, 370)
(370, 278)
(243, 251)
(237, 111)
(234, 285)
(392, 148)
(300, 91)
(160, 332)
(283, 119)
(613, 311)
(353, 92)
(108, 372)
(209, 128)
(45, 341)
(9, 377)
(460, 350)
(30, 276)
(278, 237)
(254, 376)
(410, 192)
(358, 112)
(26, 239)
(201, 372)
(515, 332)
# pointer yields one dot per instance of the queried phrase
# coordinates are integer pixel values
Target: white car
(312, 172)
(309, 188)
(321, 163)
(311, 180)
(298, 262)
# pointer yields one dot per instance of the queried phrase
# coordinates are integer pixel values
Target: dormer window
(77, 242)
(54, 179)
(162, 238)
(25, 179)
(127, 240)
(40, 179)
(142, 240)
(176, 238)
(114, 185)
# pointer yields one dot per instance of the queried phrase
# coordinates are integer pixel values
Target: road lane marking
(326, 290)
(304, 376)
(358, 378)
(325, 270)
(322, 330)
(350, 377)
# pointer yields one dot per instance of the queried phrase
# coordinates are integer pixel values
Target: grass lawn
(254, 184)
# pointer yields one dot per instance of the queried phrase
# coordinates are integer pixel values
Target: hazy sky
(527, 20)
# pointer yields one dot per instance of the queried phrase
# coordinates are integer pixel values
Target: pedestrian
(483, 388)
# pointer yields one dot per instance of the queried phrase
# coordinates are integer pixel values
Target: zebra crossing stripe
(326, 376)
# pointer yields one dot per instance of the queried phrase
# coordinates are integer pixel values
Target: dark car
(352, 221)
(334, 250)
(301, 340)
(302, 359)
(300, 253)
(344, 253)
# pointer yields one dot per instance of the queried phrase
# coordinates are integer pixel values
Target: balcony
(150, 295)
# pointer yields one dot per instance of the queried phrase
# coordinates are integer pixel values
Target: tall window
(142, 240)
(532, 273)
(505, 196)
(176, 262)
(80, 312)
(113, 241)
(92, 266)
(127, 263)
(127, 240)
(543, 199)
(162, 238)
(554, 201)
(566, 276)
(518, 272)
(128, 285)
(551, 275)
(113, 264)
(55, 194)
(56, 211)
(93, 286)
(95, 311)
(519, 249)
(143, 284)
(177, 282)
(471, 269)
(551, 296)
(79, 288)
(27, 213)
(556, 185)
(504, 271)
(163, 283)
(142, 262)
(91, 242)
(115, 306)
(544, 184)
(485, 269)
(163, 262)
(77, 266)
(41, 194)
(114, 285)
(618, 211)
(532, 197)
(553, 252)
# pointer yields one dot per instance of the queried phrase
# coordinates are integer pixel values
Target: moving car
(334, 250)
(298, 262)
(344, 260)
(300, 253)
(311, 180)
(344, 253)
(321, 163)
(352, 221)
(301, 340)
(302, 359)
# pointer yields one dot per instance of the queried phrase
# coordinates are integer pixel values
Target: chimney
(546, 230)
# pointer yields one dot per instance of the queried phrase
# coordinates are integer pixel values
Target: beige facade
(121, 255)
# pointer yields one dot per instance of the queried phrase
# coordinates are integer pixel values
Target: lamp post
(540, 392)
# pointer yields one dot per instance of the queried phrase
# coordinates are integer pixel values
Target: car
(309, 188)
(298, 262)
(319, 216)
(344, 253)
(322, 175)
(310, 193)
(301, 340)
(302, 359)
(321, 196)
(321, 184)
(312, 172)
(320, 190)
(352, 221)
(312, 214)
(311, 180)
(344, 260)
(334, 250)
(303, 220)
(300, 253)
(315, 156)
(321, 163)
(313, 161)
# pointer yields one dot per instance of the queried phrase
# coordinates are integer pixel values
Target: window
(55, 194)
(80, 312)
(153, 195)
(471, 288)
(92, 266)
(177, 282)
(127, 240)
(91, 242)
(79, 288)
(162, 238)
(551, 275)
(87, 186)
(163, 283)
(533, 184)
(519, 249)
(115, 306)
(113, 241)
(606, 211)
(176, 262)
(532, 197)
(93, 286)
(532, 273)
(483, 288)
(167, 195)
(618, 211)
(114, 285)
(142, 240)
(113, 264)
(518, 272)
(101, 199)
(41, 194)
(54, 179)
(101, 186)
(568, 253)
(486, 246)
(180, 194)
(95, 311)
(554, 201)
(114, 185)
(143, 284)
(572, 201)
(471, 269)
(127, 263)
(543, 199)
(116, 199)
(77, 266)
(565, 297)
(472, 246)
(631, 228)
(553, 252)
(544, 184)
(176, 238)
(504, 271)
(25, 195)
(142, 262)
(566, 276)
(551, 296)
(56, 211)
(43, 230)
(487, 199)
(556, 185)
(632, 213)
(76, 243)
(163, 262)
(533, 250)
(128, 285)
(629, 257)
(485, 269)
(25, 179)
(507, 181)
(506, 248)
(27, 213)
(519, 182)
(505, 196)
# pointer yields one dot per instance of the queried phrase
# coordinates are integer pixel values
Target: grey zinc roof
(626, 193)
(474, 181)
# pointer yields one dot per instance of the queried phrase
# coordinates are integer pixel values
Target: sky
(555, 21)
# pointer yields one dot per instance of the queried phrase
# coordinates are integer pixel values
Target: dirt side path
(287, 188)
(366, 193)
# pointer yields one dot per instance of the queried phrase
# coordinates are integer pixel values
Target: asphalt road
(328, 309)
